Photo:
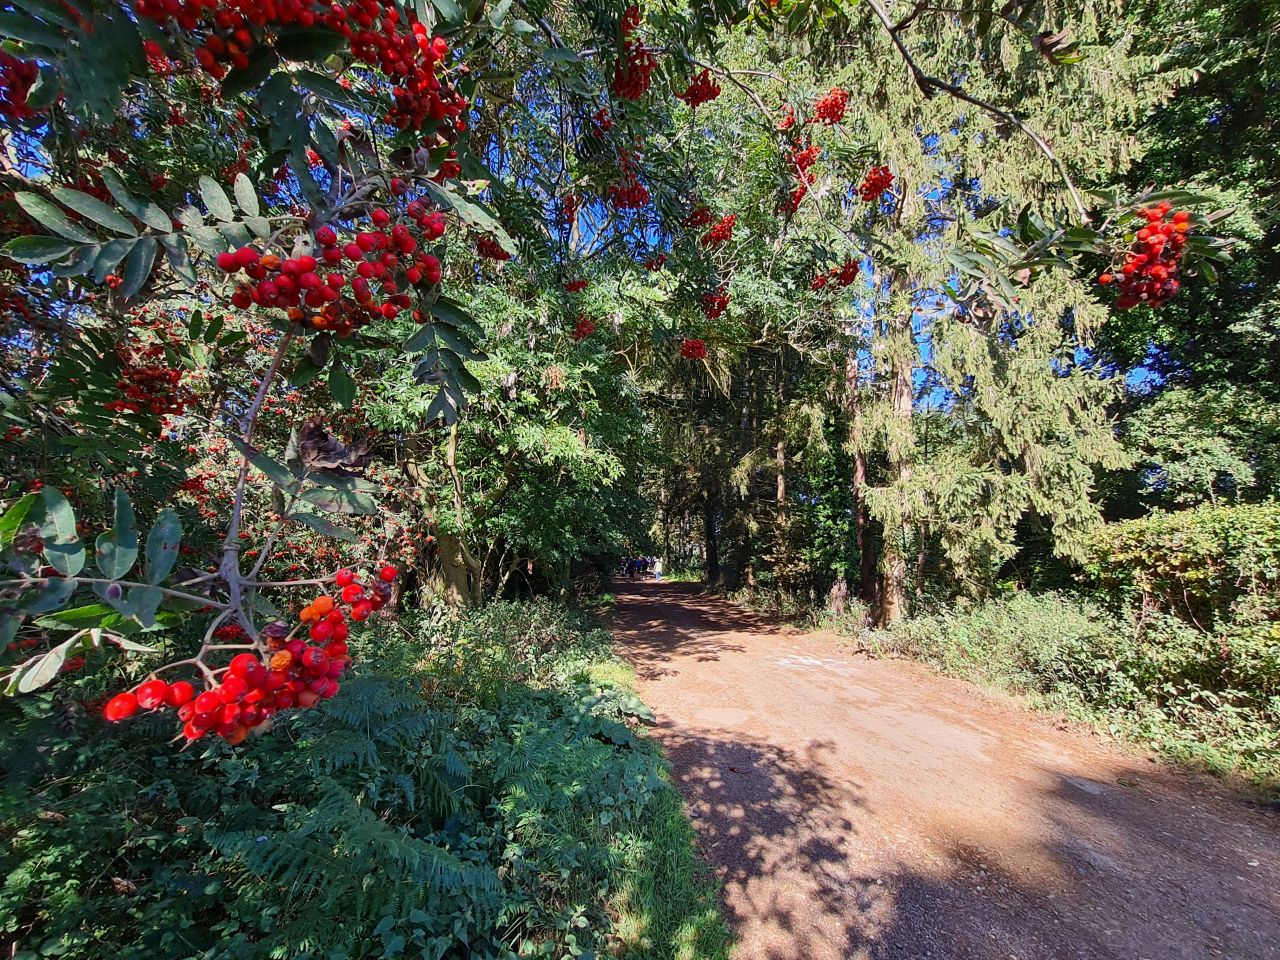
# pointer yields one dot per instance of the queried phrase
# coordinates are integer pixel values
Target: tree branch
(931, 85)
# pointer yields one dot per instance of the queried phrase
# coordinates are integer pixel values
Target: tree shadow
(1109, 870)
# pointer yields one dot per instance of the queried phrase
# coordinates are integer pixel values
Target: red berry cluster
(601, 123)
(656, 263)
(842, 275)
(722, 232)
(830, 108)
(788, 118)
(576, 286)
(702, 90)
(876, 182)
(584, 328)
(386, 259)
(693, 349)
(250, 690)
(630, 21)
(490, 249)
(16, 79)
(376, 31)
(715, 302)
(568, 209)
(147, 386)
(629, 193)
(803, 157)
(700, 216)
(631, 75)
(1149, 274)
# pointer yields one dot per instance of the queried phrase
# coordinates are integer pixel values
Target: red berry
(227, 262)
(321, 631)
(121, 707)
(179, 694)
(241, 663)
(151, 694)
(207, 702)
(388, 574)
(352, 592)
(326, 236)
(344, 577)
(361, 611)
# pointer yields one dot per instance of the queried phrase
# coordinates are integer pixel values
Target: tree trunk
(710, 541)
(866, 561)
(901, 450)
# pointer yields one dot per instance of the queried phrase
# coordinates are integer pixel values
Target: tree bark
(710, 540)
(900, 446)
(866, 560)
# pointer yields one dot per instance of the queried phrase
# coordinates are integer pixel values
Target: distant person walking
(657, 568)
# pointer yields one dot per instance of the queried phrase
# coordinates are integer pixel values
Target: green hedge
(1204, 565)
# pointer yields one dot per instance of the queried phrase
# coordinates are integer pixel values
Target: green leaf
(145, 602)
(37, 251)
(162, 545)
(450, 12)
(341, 385)
(138, 266)
(323, 526)
(51, 218)
(422, 338)
(13, 518)
(263, 60)
(62, 546)
(29, 30)
(215, 199)
(148, 213)
(316, 44)
(471, 213)
(117, 549)
(76, 618)
(246, 195)
(95, 210)
(458, 343)
(42, 672)
(341, 501)
(109, 257)
(51, 594)
(451, 313)
(304, 372)
(280, 475)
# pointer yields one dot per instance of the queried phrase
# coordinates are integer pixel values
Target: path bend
(873, 810)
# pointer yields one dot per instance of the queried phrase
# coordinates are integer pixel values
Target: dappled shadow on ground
(702, 630)
(812, 873)
(875, 812)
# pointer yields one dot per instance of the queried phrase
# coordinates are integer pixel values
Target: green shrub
(1199, 564)
(1208, 698)
(511, 811)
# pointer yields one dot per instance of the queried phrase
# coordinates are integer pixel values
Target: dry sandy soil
(872, 809)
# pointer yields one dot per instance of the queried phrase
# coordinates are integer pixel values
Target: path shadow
(803, 858)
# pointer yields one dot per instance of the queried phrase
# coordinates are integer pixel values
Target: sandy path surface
(872, 809)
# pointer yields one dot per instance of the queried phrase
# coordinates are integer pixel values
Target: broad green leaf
(314, 44)
(321, 525)
(52, 218)
(75, 618)
(29, 30)
(451, 313)
(137, 266)
(13, 518)
(246, 195)
(162, 545)
(62, 546)
(148, 213)
(215, 199)
(280, 475)
(42, 672)
(109, 257)
(341, 501)
(38, 251)
(51, 594)
(341, 385)
(471, 212)
(145, 601)
(95, 210)
(117, 549)
(422, 338)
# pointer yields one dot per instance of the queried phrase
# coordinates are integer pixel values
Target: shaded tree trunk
(711, 540)
(866, 559)
(894, 606)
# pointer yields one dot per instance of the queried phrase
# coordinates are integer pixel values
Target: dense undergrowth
(1205, 699)
(483, 793)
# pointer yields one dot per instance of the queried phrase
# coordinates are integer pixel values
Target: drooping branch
(930, 86)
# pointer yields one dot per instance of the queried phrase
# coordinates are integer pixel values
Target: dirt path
(871, 809)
